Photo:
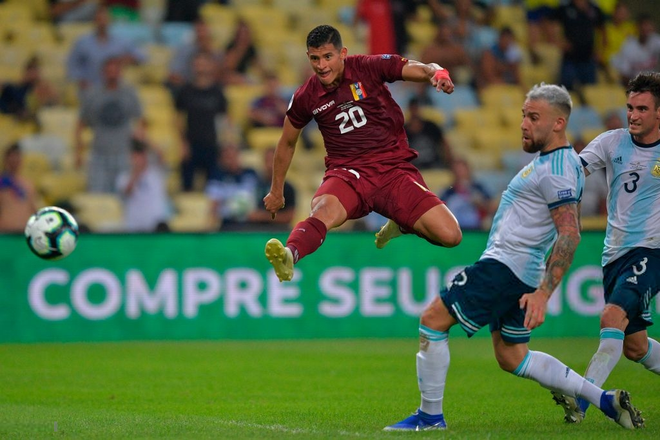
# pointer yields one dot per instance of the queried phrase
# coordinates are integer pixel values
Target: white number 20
(351, 119)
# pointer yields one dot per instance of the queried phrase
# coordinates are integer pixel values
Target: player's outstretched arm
(419, 72)
(286, 147)
(567, 222)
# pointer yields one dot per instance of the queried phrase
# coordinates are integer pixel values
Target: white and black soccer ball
(52, 233)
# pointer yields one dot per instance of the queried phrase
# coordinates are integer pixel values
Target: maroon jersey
(360, 122)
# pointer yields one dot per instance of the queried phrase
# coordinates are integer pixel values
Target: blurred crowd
(163, 115)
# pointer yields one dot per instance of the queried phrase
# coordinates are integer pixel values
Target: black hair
(324, 34)
(646, 82)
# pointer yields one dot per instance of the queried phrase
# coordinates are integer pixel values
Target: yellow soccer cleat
(281, 258)
(389, 231)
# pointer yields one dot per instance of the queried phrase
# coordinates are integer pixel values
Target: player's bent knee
(634, 352)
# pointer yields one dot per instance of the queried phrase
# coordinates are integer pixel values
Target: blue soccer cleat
(616, 405)
(419, 421)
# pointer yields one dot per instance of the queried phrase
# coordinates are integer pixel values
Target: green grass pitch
(316, 389)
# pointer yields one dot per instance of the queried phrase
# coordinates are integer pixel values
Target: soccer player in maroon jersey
(368, 157)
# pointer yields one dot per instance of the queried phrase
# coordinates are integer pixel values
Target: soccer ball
(51, 233)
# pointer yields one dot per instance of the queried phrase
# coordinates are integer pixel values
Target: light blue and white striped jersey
(633, 202)
(523, 231)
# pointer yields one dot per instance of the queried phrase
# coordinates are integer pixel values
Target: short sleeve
(297, 113)
(594, 156)
(560, 190)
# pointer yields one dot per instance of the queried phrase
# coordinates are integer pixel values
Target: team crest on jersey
(527, 171)
(655, 172)
(358, 91)
(386, 56)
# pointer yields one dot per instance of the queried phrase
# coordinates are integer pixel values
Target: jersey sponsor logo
(358, 91)
(564, 194)
(325, 106)
(386, 56)
(632, 280)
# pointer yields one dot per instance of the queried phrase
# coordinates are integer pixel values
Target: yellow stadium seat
(218, 15)
(39, 9)
(240, 97)
(59, 121)
(467, 119)
(14, 12)
(262, 138)
(155, 95)
(594, 223)
(604, 97)
(498, 96)
(437, 180)
(34, 166)
(100, 212)
(192, 212)
(69, 32)
(57, 186)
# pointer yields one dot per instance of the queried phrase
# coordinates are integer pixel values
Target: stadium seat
(240, 97)
(59, 121)
(12, 12)
(262, 138)
(582, 118)
(52, 146)
(70, 32)
(604, 97)
(39, 9)
(192, 213)
(437, 180)
(57, 186)
(499, 96)
(463, 97)
(100, 212)
(34, 165)
(155, 95)
(215, 14)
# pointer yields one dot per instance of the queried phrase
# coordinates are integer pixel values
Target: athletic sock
(605, 359)
(552, 374)
(651, 359)
(432, 366)
(306, 237)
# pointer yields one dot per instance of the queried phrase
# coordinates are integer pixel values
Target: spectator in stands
(89, 52)
(66, 11)
(403, 13)
(639, 53)
(181, 64)
(427, 138)
(447, 51)
(501, 63)
(617, 30)
(269, 109)
(114, 113)
(26, 97)
(580, 21)
(470, 202)
(465, 21)
(17, 195)
(241, 56)
(260, 219)
(232, 189)
(377, 15)
(143, 189)
(540, 26)
(124, 10)
(184, 11)
(200, 103)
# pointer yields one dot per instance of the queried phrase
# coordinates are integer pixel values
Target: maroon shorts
(396, 192)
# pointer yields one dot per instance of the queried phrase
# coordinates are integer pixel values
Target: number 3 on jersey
(351, 119)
